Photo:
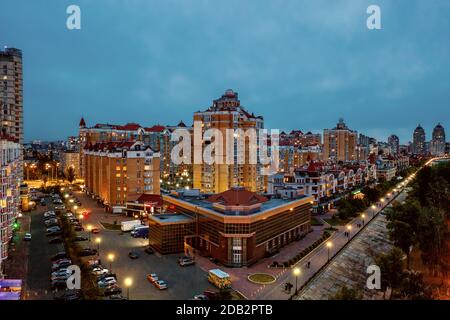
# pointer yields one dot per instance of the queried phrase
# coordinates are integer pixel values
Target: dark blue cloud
(300, 64)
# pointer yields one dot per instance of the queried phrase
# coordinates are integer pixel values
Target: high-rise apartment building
(10, 171)
(339, 143)
(11, 102)
(394, 144)
(418, 146)
(437, 144)
(227, 113)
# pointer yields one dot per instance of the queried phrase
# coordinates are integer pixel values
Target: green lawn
(316, 222)
(337, 221)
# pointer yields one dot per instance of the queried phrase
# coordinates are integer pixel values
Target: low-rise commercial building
(236, 227)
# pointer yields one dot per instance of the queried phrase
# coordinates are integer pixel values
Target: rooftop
(168, 218)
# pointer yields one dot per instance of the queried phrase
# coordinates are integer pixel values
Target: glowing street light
(296, 274)
(329, 245)
(89, 229)
(98, 241)
(362, 217)
(128, 282)
(349, 229)
(111, 257)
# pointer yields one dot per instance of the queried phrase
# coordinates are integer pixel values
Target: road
(39, 265)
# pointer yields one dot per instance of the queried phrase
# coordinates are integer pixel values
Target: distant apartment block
(339, 143)
(117, 172)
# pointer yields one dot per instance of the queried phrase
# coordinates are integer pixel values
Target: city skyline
(259, 51)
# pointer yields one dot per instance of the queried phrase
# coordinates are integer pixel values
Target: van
(140, 232)
(219, 278)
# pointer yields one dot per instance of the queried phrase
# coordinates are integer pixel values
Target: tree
(391, 267)
(403, 237)
(345, 293)
(413, 287)
(70, 174)
(431, 236)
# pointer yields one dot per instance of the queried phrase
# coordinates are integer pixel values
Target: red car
(95, 230)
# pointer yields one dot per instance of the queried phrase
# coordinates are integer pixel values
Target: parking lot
(183, 282)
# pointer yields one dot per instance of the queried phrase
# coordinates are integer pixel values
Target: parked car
(106, 275)
(53, 233)
(99, 271)
(212, 295)
(63, 264)
(87, 252)
(200, 297)
(80, 238)
(160, 284)
(152, 277)
(55, 240)
(49, 214)
(68, 295)
(186, 262)
(106, 282)
(60, 272)
(95, 230)
(27, 237)
(149, 250)
(133, 255)
(42, 202)
(59, 255)
(114, 290)
(52, 229)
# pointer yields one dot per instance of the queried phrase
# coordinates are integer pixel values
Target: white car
(106, 282)
(49, 214)
(27, 237)
(99, 271)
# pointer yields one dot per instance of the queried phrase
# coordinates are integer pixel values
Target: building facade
(418, 146)
(437, 143)
(10, 160)
(70, 159)
(11, 94)
(118, 172)
(227, 113)
(236, 227)
(394, 144)
(339, 143)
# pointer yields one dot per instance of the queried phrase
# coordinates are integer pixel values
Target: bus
(219, 278)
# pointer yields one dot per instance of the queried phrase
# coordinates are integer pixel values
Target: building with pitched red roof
(120, 171)
(237, 227)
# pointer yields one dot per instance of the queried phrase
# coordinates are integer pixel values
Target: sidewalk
(16, 266)
(323, 254)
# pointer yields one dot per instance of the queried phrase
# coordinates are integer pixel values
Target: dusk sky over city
(299, 64)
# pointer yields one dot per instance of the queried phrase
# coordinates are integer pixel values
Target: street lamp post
(296, 274)
(128, 283)
(97, 241)
(89, 228)
(349, 228)
(111, 259)
(373, 210)
(362, 218)
(329, 245)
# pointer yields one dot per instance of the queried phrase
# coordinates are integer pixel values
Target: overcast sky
(300, 64)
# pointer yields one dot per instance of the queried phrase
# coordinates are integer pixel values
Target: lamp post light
(362, 218)
(128, 283)
(349, 229)
(296, 274)
(111, 259)
(329, 245)
(89, 228)
(373, 209)
(97, 241)
(81, 217)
